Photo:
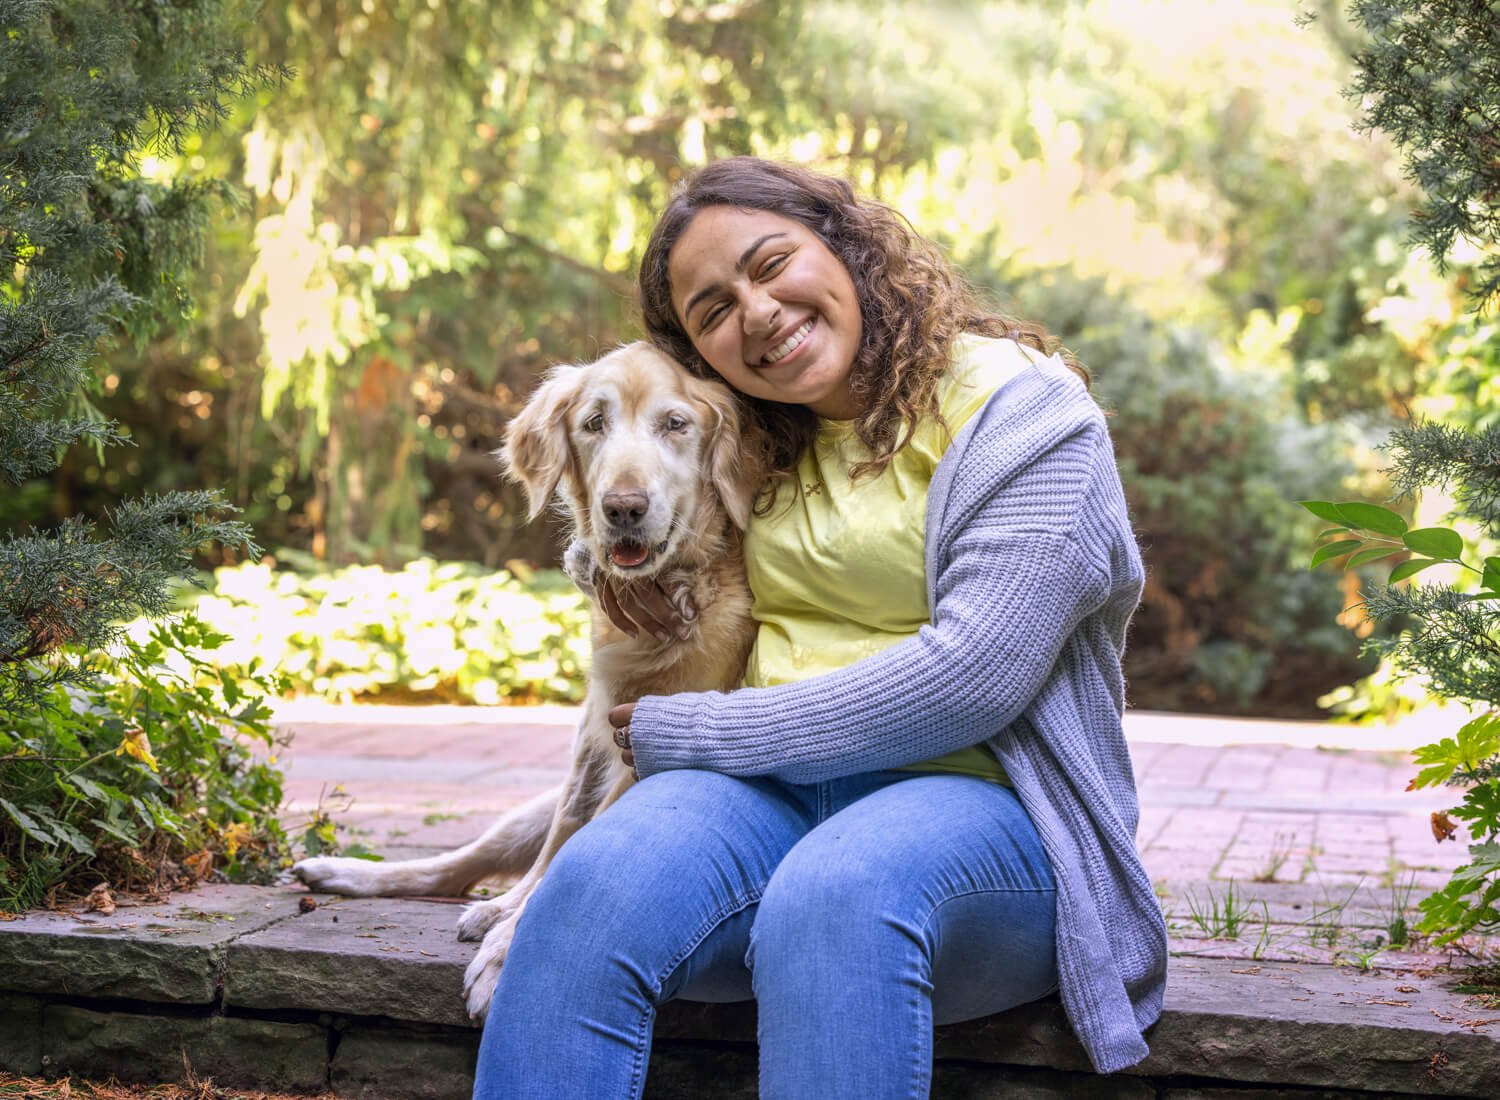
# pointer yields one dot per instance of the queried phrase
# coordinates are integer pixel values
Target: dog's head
(641, 451)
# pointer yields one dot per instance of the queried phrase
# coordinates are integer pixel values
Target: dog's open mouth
(632, 554)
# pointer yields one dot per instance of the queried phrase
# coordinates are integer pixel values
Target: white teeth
(791, 344)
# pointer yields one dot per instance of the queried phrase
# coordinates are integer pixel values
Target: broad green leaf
(1324, 510)
(1331, 531)
(1435, 542)
(1491, 574)
(72, 837)
(29, 825)
(1372, 517)
(1477, 740)
(1409, 568)
(1375, 553)
(1333, 550)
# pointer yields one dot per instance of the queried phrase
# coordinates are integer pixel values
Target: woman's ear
(536, 451)
(728, 470)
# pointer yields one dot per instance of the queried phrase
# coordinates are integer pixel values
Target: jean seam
(638, 1070)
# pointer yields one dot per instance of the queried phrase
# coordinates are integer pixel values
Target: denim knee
(828, 908)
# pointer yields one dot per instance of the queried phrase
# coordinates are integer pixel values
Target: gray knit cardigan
(1032, 573)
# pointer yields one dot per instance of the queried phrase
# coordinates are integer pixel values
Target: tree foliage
(90, 249)
(1430, 78)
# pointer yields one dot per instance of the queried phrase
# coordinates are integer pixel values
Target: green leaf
(72, 837)
(1409, 568)
(1375, 553)
(29, 825)
(1324, 510)
(1333, 550)
(1477, 740)
(1491, 578)
(1435, 542)
(1331, 531)
(1372, 517)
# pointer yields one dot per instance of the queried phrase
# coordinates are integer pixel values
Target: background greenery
(449, 196)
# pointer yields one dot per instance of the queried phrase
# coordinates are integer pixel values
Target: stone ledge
(358, 992)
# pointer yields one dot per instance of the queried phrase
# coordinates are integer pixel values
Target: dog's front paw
(484, 969)
(479, 918)
(337, 875)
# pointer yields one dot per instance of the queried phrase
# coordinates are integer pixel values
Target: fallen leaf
(1479, 1023)
(1407, 989)
(100, 899)
(1247, 970)
(1443, 827)
(1388, 1001)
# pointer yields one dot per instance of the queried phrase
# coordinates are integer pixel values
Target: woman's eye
(711, 318)
(773, 265)
(676, 423)
(594, 423)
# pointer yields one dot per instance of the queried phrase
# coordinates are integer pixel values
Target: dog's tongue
(628, 554)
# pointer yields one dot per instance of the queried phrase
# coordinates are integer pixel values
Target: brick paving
(1221, 800)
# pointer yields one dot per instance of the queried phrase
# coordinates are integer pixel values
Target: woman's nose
(761, 314)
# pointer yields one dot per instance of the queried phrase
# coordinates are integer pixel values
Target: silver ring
(622, 736)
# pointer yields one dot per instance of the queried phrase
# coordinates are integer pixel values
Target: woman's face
(769, 307)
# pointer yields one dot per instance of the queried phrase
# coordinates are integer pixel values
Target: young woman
(920, 808)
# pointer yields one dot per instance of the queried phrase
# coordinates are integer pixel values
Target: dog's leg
(577, 804)
(506, 849)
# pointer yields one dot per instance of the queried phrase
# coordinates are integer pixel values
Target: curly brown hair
(913, 305)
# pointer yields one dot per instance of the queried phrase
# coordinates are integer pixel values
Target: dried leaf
(1443, 827)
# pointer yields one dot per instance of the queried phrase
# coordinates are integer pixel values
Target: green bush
(157, 773)
(1208, 451)
(1449, 635)
(449, 632)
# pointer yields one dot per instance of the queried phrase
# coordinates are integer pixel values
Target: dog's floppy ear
(725, 456)
(536, 451)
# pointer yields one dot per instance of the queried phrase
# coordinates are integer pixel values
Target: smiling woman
(769, 307)
(919, 807)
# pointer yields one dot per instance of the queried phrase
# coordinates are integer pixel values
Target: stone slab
(168, 952)
(263, 1054)
(20, 1034)
(1324, 1027)
(383, 1063)
(389, 957)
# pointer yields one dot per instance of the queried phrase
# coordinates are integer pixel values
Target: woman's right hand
(646, 605)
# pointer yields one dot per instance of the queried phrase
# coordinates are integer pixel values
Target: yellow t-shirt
(837, 568)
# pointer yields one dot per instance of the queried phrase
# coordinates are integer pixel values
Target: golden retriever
(649, 464)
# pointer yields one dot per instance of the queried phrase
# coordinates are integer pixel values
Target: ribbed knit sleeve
(1018, 580)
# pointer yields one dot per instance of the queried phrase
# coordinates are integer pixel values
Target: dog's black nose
(626, 508)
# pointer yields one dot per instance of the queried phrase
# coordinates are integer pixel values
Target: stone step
(362, 996)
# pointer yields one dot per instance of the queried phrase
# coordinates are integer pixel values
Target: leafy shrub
(1208, 453)
(441, 632)
(1450, 635)
(145, 777)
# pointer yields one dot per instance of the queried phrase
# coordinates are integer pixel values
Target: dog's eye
(676, 423)
(594, 423)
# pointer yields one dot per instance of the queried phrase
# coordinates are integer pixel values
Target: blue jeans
(858, 913)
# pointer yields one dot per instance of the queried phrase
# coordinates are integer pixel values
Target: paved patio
(1221, 799)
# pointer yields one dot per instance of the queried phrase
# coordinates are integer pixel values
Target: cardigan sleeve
(1015, 586)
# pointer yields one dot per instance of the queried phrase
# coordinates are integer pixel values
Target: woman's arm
(1018, 582)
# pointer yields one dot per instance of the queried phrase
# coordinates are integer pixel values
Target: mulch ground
(13, 1087)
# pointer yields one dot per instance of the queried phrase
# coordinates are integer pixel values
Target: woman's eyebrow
(740, 265)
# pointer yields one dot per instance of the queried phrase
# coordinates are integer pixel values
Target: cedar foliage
(91, 251)
(1430, 78)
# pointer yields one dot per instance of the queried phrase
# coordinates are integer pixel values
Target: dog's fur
(645, 457)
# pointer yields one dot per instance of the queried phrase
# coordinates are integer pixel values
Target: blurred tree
(91, 248)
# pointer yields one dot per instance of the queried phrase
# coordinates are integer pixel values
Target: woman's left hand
(619, 718)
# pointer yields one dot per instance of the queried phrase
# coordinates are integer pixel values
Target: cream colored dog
(648, 461)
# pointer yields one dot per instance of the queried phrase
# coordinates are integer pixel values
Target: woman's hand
(634, 606)
(619, 718)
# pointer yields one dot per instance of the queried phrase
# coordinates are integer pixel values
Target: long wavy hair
(913, 306)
